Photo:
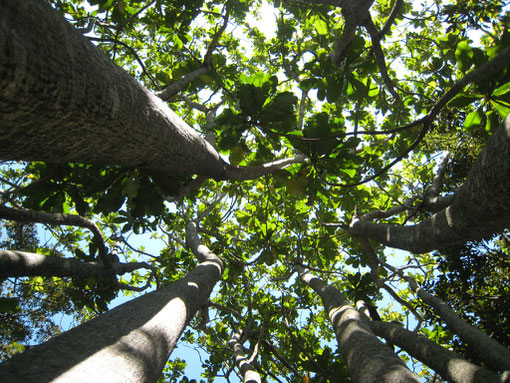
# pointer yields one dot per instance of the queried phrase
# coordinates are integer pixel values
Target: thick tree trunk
(130, 343)
(481, 206)
(366, 357)
(62, 100)
(446, 363)
(21, 264)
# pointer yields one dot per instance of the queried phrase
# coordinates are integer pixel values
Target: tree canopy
(344, 165)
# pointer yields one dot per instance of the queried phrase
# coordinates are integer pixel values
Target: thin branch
(177, 86)
(199, 250)
(298, 343)
(243, 173)
(210, 208)
(284, 361)
(391, 19)
(379, 56)
(230, 310)
(59, 219)
(216, 37)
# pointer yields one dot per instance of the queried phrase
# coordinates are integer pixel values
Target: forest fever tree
(280, 150)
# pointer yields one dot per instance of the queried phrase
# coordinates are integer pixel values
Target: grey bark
(481, 206)
(62, 100)
(244, 365)
(171, 90)
(23, 215)
(22, 264)
(128, 344)
(243, 173)
(355, 13)
(493, 353)
(366, 357)
(448, 364)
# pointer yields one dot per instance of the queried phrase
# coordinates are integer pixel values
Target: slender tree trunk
(22, 264)
(481, 206)
(247, 371)
(446, 363)
(130, 343)
(493, 353)
(62, 100)
(366, 357)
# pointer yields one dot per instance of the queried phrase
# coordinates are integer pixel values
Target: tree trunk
(493, 353)
(22, 264)
(481, 206)
(446, 363)
(247, 371)
(62, 100)
(366, 357)
(128, 344)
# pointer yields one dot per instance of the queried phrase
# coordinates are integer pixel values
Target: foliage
(474, 281)
(270, 91)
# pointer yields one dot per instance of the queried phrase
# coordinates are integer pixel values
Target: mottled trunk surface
(22, 264)
(493, 353)
(481, 206)
(62, 100)
(446, 363)
(129, 344)
(366, 357)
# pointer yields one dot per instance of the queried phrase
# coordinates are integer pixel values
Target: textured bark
(355, 13)
(23, 215)
(171, 90)
(366, 357)
(62, 100)
(130, 343)
(448, 364)
(22, 264)
(243, 173)
(247, 371)
(493, 353)
(481, 206)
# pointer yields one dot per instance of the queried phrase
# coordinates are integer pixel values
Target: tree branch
(493, 353)
(448, 364)
(23, 264)
(243, 173)
(23, 215)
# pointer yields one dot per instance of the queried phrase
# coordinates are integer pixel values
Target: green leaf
(464, 55)
(461, 101)
(320, 25)
(503, 89)
(9, 305)
(350, 172)
(473, 119)
(501, 107)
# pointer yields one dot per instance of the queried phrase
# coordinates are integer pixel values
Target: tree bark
(62, 100)
(171, 90)
(446, 363)
(493, 353)
(23, 215)
(22, 264)
(128, 344)
(481, 206)
(366, 357)
(249, 374)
